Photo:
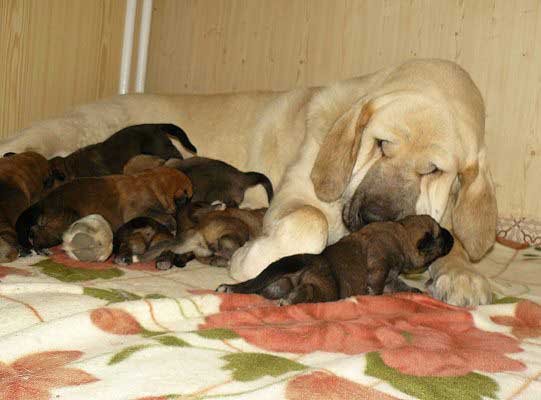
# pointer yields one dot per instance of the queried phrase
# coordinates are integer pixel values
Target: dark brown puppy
(208, 234)
(365, 262)
(213, 180)
(136, 237)
(110, 156)
(118, 198)
(21, 184)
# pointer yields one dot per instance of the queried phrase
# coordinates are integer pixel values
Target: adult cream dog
(407, 139)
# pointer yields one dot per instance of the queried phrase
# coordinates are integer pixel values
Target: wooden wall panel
(206, 46)
(55, 54)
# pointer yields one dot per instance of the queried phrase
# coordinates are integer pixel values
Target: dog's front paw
(461, 287)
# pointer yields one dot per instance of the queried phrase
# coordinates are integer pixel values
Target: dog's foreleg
(300, 229)
(454, 280)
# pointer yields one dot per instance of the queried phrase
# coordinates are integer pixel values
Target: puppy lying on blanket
(110, 156)
(21, 184)
(118, 198)
(365, 262)
(213, 180)
(208, 232)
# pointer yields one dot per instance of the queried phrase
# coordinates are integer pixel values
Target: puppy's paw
(283, 302)
(224, 289)
(122, 260)
(461, 287)
(44, 252)
(163, 265)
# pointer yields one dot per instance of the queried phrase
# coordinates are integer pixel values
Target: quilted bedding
(71, 330)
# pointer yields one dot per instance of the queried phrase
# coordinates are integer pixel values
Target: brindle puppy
(213, 180)
(365, 262)
(136, 237)
(110, 156)
(21, 184)
(118, 198)
(209, 235)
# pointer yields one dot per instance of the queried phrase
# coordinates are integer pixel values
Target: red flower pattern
(5, 271)
(33, 376)
(405, 328)
(115, 321)
(527, 320)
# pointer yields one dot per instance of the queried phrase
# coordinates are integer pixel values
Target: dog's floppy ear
(338, 153)
(475, 210)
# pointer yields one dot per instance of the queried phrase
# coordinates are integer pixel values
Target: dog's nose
(447, 241)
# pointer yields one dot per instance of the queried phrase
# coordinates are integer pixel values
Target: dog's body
(414, 131)
(110, 156)
(368, 261)
(212, 180)
(21, 184)
(208, 233)
(118, 198)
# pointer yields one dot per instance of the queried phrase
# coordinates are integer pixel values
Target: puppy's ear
(475, 211)
(338, 152)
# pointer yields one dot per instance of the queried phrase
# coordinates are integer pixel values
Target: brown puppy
(136, 237)
(110, 156)
(21, 184)
(213, 180)
(365, 262)
(118, 198)
(208, 234)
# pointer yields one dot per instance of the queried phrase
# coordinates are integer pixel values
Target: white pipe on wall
(127, 46)
(142, 52)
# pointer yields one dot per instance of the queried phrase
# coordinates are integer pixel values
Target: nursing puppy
(21, 184)
(209, 234)
(368, 261)
(136, 237)
(110, 156)
(118, 198)
(212, 180)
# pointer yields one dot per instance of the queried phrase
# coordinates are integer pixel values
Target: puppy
(118, 198)
(209, 234)
(212, 180)
(110, 156)
(21, 184)
(365, 262)
(89, 239)
(136, 237)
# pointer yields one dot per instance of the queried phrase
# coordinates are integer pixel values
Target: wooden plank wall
(209, 46)
(55, 54)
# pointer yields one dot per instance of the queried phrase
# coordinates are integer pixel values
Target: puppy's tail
(178, 132)
(276, 270)
(24, 223)
(256, 178)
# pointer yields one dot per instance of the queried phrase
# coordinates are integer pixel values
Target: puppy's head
(428, 240)
(49, 227)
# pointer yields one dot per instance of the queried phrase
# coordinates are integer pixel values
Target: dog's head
(428, 241)
(412, 145)
(49, 226)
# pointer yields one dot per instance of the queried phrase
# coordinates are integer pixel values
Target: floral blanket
(71, 330)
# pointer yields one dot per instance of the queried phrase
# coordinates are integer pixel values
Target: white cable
(127, 46)
(142, 52)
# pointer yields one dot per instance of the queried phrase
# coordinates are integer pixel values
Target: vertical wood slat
(56, 54)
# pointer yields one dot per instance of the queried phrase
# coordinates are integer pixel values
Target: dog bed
(73, 330)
